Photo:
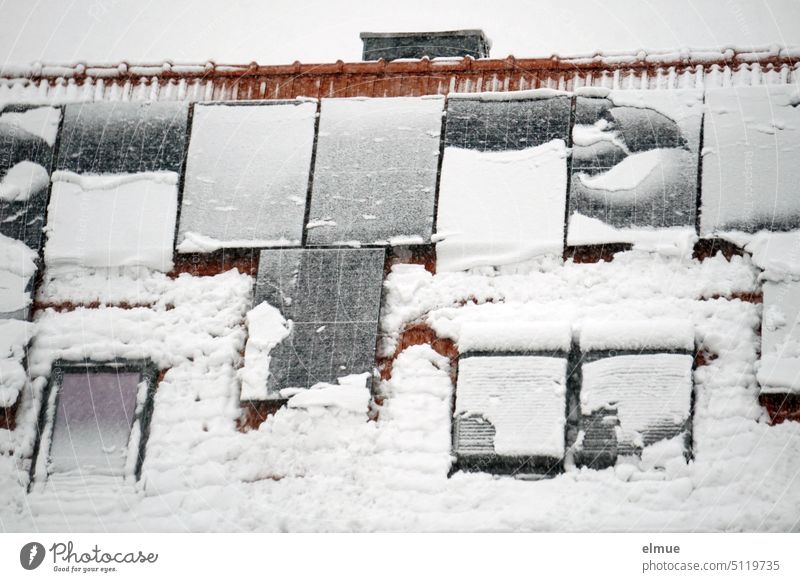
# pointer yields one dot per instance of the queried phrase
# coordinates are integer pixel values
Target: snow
(377, 157)
(776, 253)
(662, 333)
(352, 395)
(17, 267)
(114, 220)
(629, 173)
(645, 390)
(247, 175)
(39, 121)
(674, 241)
(503, 207)
(330, 468)
(751, 162)
(779, 374)
(266, 327)
(779, 368)
(22, 180)
(14, 338)
(523, 397)
(514, 336)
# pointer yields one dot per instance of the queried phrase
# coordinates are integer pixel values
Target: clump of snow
(266, 327)
(777, 253)
(14, 338)
(779, 374)
(514, 336)
(17, 267)
(39, 121)
(247, 175)
(350, 394)
(22, 180)
(523, 397)
(119, 220)
(751, 163)
(497, 208)
(666, 334)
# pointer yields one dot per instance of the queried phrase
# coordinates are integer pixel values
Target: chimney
(415, 45)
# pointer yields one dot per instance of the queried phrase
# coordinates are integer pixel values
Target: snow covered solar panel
(247, 175)
(635, 159)
(506, 121)
(375, 171)
(751, 167)
(779, 368)
(123, 137)
(94, 416)
(27, 141)
(332, 297)
(632, 401)
(510, 413)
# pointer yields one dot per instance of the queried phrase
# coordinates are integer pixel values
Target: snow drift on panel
(504, 207)
(118, 220)
(14, 338)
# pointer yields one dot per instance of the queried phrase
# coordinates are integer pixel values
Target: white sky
(64, 31)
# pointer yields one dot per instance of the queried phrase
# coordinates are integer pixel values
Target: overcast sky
(64, 31)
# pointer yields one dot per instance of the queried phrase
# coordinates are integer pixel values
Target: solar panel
(632, 400)
(375, 171)
(102, 138)
(504, 153)
(635, 159)
(332, 297)
(505, 123)
(751, 165)
(27, 141)
(247, 175)
(510, 413)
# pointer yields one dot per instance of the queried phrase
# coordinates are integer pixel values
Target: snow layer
(779, 368)
(751, 161)
(115, 220)
(514, 336)
(497, 208)
(375, 169)
(39, 121)
(266, 327)
(645, 390)
(663, 334)
(523, 397)
(777, 253)
(247, 175)
(14, 338)
(674, 241)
